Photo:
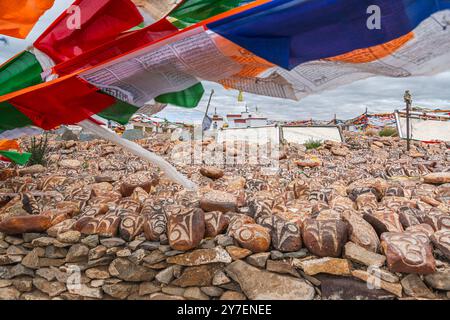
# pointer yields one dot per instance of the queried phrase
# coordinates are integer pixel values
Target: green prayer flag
(190, 12)
(16, 157)
(120, 112)
(188, 98)
(21, 72)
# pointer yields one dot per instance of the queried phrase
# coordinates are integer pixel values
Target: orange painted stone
(216, 222)
(325, 238)
(212, 172)
(186, 230)
(26, 224)
(218, 201)
(408, 252)
(106, 225)
(253, 237)
(131, 226)
(140, 179)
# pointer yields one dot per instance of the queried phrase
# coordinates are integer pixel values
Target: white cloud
(378, 94)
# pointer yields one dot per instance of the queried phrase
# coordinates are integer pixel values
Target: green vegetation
(39, 150)
(312, 144)
(388, 132)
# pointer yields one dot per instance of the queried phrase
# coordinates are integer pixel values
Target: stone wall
(72, 267)
(361, 220)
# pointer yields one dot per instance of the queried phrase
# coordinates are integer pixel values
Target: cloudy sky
(378, 94)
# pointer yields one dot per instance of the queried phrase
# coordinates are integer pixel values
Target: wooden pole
(408, 101)
(209, 102)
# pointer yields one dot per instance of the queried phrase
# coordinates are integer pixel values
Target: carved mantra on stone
(325, 238)
(408, 252)
(186, 230)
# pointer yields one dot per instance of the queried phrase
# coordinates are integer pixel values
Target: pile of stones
(357, 220)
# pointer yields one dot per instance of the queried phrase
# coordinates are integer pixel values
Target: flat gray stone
(263, 285)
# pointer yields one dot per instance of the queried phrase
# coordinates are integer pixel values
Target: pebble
(69, 237)
(260, 259)
(112, 242)
(326, 265)
(439, 280)
(362, 256)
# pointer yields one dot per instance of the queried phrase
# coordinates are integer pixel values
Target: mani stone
(155, 225)
(106, 225)
(438, 220)
(237, 221)
(325, 238)
(216, 222)
(212, 172)
(437, 178)
(218, 201)
(201, 256)
(286, 236)
(441, 240)
(384, 221)
(362, 256)
(326, 265)
(408, 252)
(423, 227)
(264, 285)
(410, 216)
(25, 224)
(186, 230)
(139, 179)
(253, 237)
(131, 226)
(361, 232)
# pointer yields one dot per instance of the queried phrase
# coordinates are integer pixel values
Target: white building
(246, 119)
(217, 122)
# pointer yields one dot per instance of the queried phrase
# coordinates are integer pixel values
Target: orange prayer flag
(9, 145)
(18, 17)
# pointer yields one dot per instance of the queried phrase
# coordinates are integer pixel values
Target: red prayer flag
(86, 25)
(122, 45)
(68, 101)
